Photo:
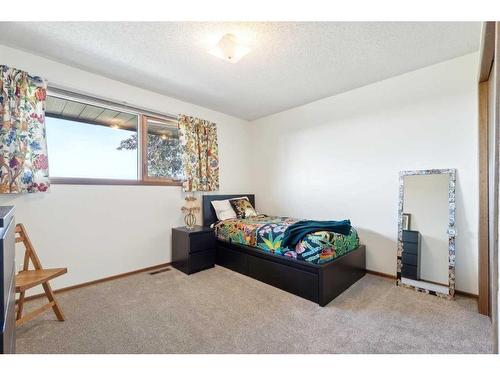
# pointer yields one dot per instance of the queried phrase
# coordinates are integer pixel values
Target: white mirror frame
(427, 287)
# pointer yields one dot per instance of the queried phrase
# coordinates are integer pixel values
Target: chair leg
(50, 295)
(20, 306)
(34, 313)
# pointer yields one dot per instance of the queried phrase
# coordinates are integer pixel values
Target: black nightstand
(410, 267)
(193, 250)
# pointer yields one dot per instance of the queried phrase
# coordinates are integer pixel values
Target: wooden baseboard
(466, 294)
(393, 277)
(98, 281)
(381, 274)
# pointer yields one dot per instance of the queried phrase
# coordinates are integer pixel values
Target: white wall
(99, 231)
(339, 157)
(426, 200)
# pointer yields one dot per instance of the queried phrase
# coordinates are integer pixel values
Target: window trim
(110, 181)
(142, 116)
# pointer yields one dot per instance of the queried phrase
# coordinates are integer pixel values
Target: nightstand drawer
(201, 261)
(410, 236)
(409, 271)
(410, 247)
(409, 258)
(201, 242)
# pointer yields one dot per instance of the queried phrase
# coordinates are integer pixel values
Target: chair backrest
(29, 253)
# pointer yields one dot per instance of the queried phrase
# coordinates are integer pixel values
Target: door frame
(488, 158)
(487, 51)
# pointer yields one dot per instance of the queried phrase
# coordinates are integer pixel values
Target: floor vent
(160, 271)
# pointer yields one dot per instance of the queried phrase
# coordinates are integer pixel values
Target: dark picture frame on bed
(319, 283)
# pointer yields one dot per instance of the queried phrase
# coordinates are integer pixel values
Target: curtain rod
(72, 94)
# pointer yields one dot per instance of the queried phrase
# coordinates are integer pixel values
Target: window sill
(106, 181)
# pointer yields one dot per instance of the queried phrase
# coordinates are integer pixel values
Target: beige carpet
(219, 311)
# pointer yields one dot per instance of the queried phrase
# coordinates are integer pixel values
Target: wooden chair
(27, 279)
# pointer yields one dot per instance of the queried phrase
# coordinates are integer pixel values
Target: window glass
(163, 154)
(87, 141)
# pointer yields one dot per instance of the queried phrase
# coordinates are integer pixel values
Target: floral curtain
(23, 147)
(200, 155)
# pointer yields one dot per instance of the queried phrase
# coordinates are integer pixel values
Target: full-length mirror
(426, 228)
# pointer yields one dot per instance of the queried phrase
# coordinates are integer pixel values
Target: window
(161, 150)
(90, 143)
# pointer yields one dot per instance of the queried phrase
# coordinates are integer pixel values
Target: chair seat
(29, 279)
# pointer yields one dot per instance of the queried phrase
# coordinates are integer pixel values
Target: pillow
(223, 209)
(243, 208)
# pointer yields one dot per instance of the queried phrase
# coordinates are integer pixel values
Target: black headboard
(209, 216)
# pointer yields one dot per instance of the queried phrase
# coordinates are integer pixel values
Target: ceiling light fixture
(228, 49)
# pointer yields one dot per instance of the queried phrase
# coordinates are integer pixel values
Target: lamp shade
(191, 204)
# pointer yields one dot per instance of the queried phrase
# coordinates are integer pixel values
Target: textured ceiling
(290, 63)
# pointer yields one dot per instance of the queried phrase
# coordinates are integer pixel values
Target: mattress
(266, 232)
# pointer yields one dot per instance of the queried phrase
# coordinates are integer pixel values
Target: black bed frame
(319, 283)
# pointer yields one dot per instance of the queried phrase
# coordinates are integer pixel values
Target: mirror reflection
(425, 256)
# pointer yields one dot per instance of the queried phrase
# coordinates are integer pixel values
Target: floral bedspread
(266, 233)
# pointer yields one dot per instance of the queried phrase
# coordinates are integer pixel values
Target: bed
(319, 278)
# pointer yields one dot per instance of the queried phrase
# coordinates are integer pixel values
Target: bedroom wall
(100, 231)
(339, 157)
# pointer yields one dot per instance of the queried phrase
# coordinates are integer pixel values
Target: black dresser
(193, 250)
(7, 275)
(410, 267)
